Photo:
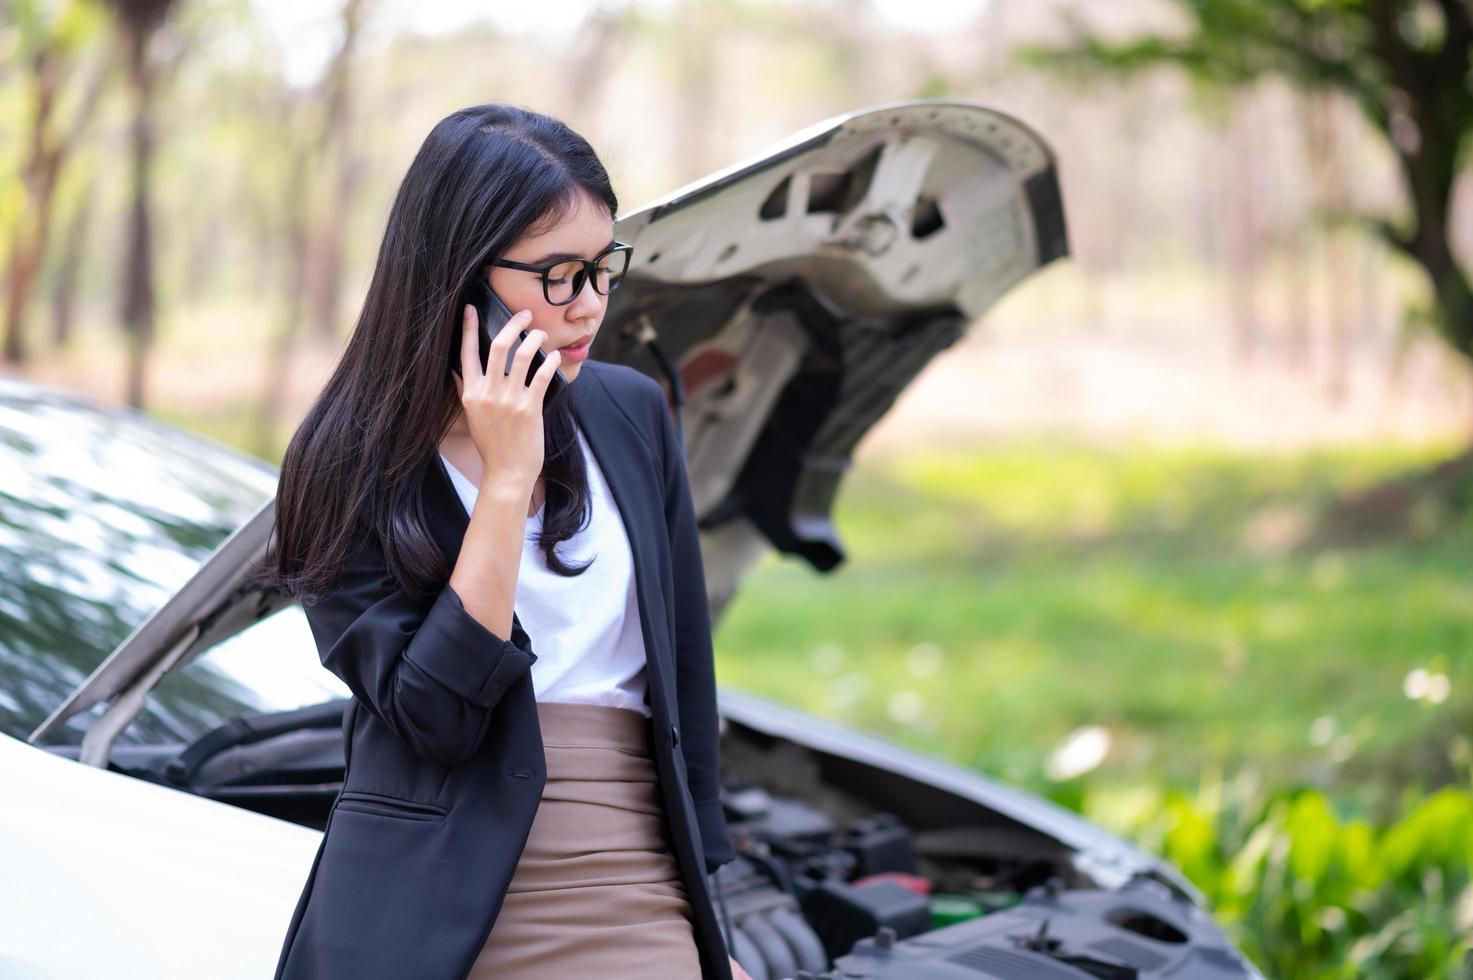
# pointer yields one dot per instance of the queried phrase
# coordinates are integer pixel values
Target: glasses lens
(611, 269)
(563, 281)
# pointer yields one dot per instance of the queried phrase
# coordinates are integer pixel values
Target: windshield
(104, 514)
(272, 666)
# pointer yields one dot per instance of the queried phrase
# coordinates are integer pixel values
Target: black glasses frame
(585, 274)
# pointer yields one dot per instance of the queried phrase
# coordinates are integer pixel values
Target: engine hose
(801, 937)
(774, 947)
(749, 956)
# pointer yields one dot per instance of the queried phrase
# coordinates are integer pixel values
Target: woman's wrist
(485, 573)
(500, 485)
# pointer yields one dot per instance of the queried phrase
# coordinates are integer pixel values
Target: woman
(529, 793)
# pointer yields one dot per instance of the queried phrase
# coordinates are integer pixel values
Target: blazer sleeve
(695, 668)
(432, 675)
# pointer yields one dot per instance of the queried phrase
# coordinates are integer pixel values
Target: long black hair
(485, 176)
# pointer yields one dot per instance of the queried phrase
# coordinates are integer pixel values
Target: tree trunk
(1320, 129)
(695, 88)
(138, 291)
(64, 291)
(31, 231)
(337, 139)
(278, 366)
(1241, 228)
(1327, 123)
(1433, 115)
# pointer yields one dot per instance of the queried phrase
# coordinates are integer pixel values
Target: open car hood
(785, 303)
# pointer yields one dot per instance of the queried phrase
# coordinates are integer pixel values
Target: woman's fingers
(470, 360)
(522, 359)
(505, 338)
(544, 374)
(503, 423)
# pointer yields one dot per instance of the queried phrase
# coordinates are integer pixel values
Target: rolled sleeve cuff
(715, 840)
(456, 650)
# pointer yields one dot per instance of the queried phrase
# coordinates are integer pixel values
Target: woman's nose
(588, 303)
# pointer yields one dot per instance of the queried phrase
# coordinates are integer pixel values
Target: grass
(1161, 601)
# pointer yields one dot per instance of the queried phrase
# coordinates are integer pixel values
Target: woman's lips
(575, 353)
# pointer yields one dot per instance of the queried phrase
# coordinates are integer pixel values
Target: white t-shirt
(585, 628)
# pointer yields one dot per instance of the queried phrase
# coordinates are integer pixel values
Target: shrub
(1309, 892)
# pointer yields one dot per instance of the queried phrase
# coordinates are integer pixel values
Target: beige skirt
(597, 892)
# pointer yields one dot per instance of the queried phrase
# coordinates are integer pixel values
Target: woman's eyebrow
(560, 256)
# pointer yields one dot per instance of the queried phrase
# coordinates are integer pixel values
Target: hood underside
(786, 302)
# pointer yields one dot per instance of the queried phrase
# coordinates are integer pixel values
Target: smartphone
(492, 315)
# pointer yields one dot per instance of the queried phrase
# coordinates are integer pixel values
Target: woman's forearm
(485, 574)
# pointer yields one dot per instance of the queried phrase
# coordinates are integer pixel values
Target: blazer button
(674, 734)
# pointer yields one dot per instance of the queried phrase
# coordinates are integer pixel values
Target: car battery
(842, 913)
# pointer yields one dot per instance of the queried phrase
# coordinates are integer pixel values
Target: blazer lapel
(620, 451)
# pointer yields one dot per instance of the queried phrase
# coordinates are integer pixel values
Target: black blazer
(445, 767)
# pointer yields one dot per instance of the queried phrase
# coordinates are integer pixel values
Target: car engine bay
(826, 886)
(846, 867)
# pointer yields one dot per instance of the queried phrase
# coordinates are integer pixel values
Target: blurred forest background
(1184, 522)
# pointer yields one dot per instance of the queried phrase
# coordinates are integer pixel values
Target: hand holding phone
(499, 408)
(491, 315)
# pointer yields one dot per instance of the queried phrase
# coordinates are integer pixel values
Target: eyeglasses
(563, 280)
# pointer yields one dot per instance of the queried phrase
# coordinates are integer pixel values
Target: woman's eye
(556, 282)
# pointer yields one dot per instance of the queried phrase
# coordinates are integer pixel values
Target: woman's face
(583, 233)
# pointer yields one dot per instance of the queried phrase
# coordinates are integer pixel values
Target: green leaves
(1311, 893)
(1404, 63)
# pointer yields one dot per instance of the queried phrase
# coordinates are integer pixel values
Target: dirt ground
(1119, 390)
(1096, 386)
